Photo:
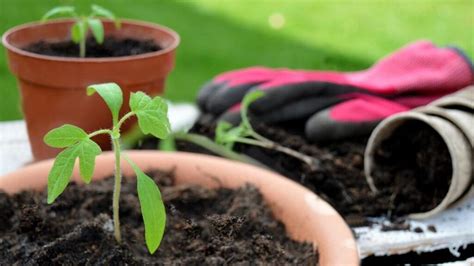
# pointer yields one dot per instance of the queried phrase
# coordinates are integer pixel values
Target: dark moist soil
(112, 47)
(340, 178)
(204, 227)
(418, 148)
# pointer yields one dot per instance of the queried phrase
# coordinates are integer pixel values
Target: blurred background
(217, 36)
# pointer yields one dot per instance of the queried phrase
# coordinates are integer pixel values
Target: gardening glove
(337, 105)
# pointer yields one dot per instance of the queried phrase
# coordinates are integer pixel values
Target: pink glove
(338, 105)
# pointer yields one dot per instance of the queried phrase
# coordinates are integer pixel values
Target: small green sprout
(227, 135)
(152, 114)
(80, 28)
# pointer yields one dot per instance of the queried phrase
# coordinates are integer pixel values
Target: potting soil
(111, 47)
(340, 178)
(413, 165)
(204, 227)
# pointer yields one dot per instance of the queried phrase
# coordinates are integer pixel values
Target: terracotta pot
(306, 216)
(53, 88)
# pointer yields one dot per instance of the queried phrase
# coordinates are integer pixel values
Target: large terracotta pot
(53, 88)
(306, 216)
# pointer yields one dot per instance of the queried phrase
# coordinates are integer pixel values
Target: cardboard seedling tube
(458, 145)
(463, 98)
(462, 119)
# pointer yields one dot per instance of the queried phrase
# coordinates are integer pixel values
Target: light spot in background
(276, 20)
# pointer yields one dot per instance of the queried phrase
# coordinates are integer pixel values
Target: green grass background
(223, 35)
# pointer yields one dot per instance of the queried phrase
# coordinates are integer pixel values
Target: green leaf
(226, 134)
(97, 29)
(168, 144)
(87, 151)
(221, 130)
(112, 95)
(64, 136)
(102, 12)
(78, 31)
(249, 98)
(152, 114)
(61, 172)
(152, 207)
(59, 11)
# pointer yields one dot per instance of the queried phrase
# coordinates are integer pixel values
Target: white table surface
(15, 148)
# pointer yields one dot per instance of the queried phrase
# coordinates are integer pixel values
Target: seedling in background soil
(227, 135)
(152, 119)
(81, 27)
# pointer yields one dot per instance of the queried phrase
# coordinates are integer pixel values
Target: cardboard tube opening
(457, 147)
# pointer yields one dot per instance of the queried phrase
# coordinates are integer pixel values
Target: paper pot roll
(461, 119)
(456, 141)
(462, 98)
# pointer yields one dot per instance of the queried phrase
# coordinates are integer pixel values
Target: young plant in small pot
(46, 59)
(207, 210)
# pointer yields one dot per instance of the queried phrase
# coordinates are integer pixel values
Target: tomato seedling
(152, 119)
(227, 135)
(83, 23)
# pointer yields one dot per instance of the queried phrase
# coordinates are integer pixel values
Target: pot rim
(312, 220)
(139, 23)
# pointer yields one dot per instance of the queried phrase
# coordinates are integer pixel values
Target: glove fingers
(276, 97)
(356, 117)
(321, 127)
(235, 78)
(206, 91)
(296, 110)
(226, 96)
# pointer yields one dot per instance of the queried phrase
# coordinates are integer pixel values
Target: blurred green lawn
(223, 35)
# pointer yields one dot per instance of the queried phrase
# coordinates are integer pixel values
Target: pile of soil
(340, 179)
(203, 227)
(111, 47)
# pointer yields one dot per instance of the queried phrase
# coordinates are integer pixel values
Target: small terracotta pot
(53, 88)
(306, 216)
